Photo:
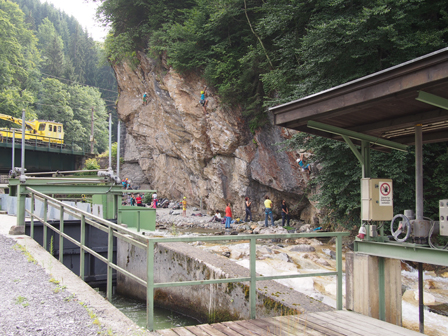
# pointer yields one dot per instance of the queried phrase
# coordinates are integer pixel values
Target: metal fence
(148, 244)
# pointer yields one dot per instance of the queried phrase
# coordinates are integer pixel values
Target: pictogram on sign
(385, 198)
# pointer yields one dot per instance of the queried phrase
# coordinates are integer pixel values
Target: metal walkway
(333, 323)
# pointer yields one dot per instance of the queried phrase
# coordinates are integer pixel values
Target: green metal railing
(51, 144)
(148, 244)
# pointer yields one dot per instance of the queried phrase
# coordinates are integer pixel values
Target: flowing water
(136, 311)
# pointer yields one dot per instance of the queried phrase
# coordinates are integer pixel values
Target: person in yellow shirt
(184, 207)
(268, 211)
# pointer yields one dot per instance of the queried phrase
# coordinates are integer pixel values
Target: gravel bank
(32, 304)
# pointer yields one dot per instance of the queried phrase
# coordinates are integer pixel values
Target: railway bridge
(42, 158)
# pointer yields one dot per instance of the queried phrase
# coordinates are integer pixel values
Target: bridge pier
(373, 286)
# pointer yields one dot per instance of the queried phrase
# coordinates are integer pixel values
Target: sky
(84, 11)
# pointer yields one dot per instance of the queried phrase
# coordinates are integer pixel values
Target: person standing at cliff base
(268, 211)
(138, 199)
(132, 200)
(228, 216)
(154, 200)
(184, 207)
(285, 213)
(248, 212)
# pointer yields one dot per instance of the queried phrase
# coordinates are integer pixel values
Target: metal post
(138, 221)
(150, 286)
(81, 251)
(23, 143)
(418, 173)
(421, 307)
(110, 255)
(365, 152)
(61, 239)
(44, 226)
(253, 275)
(13, 149)
(110, 141)
(32, 217)
(118, 147)
(339, 270)
(21, 197)
(92, 139)
(381, 290)
(365, 166)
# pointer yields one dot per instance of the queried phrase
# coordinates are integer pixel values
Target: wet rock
(302, 248)
(316, 259)
(428, 299)
(282, 256)
(329, 253)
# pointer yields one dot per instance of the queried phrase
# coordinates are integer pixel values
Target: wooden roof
(382, 104)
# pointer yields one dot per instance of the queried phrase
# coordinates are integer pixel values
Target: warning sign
(385, 198)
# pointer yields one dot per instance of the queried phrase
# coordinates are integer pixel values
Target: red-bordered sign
(385, 189)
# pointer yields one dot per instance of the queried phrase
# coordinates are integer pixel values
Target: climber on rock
(302, 165)
(203, 101)
(145, 98)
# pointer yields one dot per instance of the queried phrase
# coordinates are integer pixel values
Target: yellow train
(35, 131)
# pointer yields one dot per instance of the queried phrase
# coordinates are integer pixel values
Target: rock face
(172, 146)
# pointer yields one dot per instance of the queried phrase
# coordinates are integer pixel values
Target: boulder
(302, 248)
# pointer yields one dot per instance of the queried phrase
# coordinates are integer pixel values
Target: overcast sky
(84, 11)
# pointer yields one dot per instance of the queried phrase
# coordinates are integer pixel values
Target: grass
(23, 249)
(21, 300)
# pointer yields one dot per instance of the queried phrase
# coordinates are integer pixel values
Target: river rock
(316, 259)
(329, 253)
(282, 256)
(302, 248)
(428, 299)
(305, 228)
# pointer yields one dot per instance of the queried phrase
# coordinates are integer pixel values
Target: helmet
(202, 92)
(184, 197)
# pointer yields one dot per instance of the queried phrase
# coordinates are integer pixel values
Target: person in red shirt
(228, 216)
(138, 199)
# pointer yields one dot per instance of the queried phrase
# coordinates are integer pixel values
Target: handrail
(148, 244)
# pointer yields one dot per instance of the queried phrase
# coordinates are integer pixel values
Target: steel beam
(356, 135)
(403, 251)
(354, 149)
(45, 186)
(432, 99)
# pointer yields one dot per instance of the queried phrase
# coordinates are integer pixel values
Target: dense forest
(51, 68)
(259, 53)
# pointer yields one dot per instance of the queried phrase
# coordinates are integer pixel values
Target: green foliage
(66, 54)
(147, 198)
(91, 164)
(18, 60)
(340, 175)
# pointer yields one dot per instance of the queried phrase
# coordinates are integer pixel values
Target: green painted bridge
(42, 158)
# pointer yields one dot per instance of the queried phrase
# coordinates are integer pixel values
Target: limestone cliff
(173, 147)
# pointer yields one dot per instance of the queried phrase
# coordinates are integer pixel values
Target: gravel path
(33, 305)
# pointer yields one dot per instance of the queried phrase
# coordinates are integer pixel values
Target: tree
(18, 61)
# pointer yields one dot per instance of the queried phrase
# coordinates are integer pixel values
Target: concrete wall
(362, 286)
(208, 303)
